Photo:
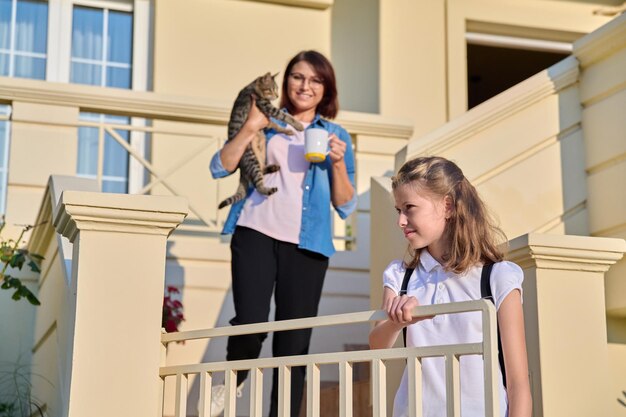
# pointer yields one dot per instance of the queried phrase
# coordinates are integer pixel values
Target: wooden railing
(344, 360)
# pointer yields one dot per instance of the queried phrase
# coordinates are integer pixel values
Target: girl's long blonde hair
(472, 233)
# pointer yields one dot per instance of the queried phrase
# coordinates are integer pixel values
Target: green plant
(11, 255)
(16, 399)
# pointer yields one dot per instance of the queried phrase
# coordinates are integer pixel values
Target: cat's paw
(271, 168)
(266, 191)
(298, 126)
(284, 131)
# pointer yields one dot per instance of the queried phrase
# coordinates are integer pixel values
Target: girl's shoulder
(505, 277)
(507, 269)
(394, 274)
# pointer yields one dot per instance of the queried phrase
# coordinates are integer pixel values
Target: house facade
(132, 96)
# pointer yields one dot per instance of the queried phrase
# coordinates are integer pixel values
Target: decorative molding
(140, 214)
(604, 165)
(113, 100)
(566, 252)
(43, 231)
(602, 42)
(310, 4)
(152, 105)
(517, 98)
(374, 125)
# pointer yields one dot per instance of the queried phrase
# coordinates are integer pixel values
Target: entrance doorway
(495, 66)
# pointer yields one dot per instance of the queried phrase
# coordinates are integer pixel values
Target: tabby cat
(252, 163)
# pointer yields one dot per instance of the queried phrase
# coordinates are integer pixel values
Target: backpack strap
(485, 292)
(405, 284)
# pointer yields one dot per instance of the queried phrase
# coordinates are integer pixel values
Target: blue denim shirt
(315, 230)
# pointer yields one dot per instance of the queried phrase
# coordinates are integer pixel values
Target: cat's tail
(238, 196)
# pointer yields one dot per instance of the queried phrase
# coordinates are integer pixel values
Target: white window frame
(515, 42)
(60, 15)
(4, 164)
(12, 52)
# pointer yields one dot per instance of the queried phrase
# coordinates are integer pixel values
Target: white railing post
(453, 386)
(414, 373)
(490, 361)
(379, 388)
(181, 395)
(313, 390)
(284, 391)
(256, 392)
(230, 383)
(119, 248)
(204, 405)
(345, 389)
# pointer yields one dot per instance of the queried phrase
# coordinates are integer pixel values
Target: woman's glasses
(314, 82)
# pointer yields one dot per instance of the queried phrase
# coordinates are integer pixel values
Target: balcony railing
(166, 142)
(343, 360)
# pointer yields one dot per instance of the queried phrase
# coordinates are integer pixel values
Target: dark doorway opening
(491, 70)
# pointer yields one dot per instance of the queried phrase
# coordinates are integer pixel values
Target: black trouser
(262, 265)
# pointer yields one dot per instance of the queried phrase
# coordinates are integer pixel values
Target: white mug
(315, 144)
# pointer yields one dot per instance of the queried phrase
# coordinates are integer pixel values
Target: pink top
(279, 216)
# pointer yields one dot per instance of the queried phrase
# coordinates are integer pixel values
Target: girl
(281, 244)
(450, 238)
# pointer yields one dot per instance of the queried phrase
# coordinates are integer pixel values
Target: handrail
(344, 360)
(153, 105)
(321, 321)
(164, 118)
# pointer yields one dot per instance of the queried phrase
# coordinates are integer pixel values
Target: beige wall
(205, 51)
(617, 359)
(423, 68)
(557, 20)
(413, 63)
(226, 44)
(523, 150)
(602, 94)
(355, 53)
(36, 152)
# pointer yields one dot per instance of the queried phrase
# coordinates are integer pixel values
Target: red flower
(172, 310)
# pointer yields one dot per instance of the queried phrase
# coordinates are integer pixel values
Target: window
(102, 55)
(4, 154)
(101, 47)
(85, 42)
(23, 38)
(23, 53)
(115, 160)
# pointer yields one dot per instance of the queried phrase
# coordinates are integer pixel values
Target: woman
(281, 243)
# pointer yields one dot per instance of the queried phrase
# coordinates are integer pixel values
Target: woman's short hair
(329, 106)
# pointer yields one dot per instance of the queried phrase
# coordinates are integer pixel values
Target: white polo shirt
(430, 284)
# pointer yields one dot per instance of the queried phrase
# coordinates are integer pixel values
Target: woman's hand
(233, 149)
(337, 149)
(341, 190)
(256, 119)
